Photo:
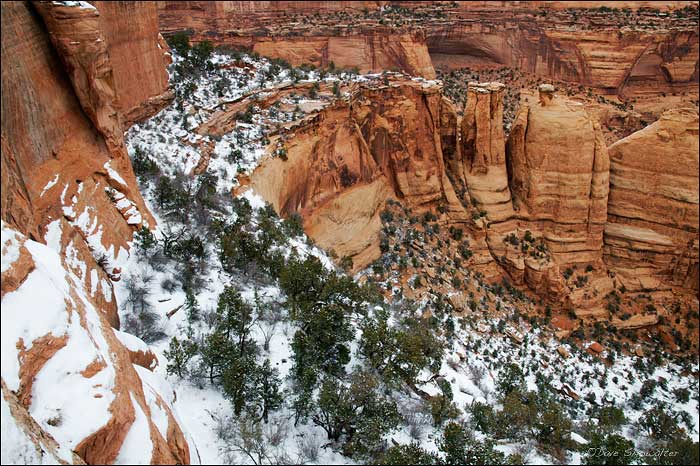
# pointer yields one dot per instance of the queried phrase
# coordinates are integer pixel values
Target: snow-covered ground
(170, 139)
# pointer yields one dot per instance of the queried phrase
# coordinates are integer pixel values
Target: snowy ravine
(201, 407)
(473, 358)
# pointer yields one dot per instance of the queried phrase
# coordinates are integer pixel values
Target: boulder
(596, 347)
(563, 352)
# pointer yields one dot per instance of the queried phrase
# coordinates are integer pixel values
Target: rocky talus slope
(70, 205)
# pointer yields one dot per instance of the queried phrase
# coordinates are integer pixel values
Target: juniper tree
(266, 393)
(179, 354)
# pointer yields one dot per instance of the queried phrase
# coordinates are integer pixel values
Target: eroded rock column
(559, 170)
(481, 166)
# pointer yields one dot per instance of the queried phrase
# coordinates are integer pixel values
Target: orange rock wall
(627, 62)
(234, 24)
(651, 235)
(472, 34)
(67, 182)
(137, 56)
(559, 173)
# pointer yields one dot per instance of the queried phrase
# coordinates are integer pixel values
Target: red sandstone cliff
(651, 234)
(382, 143)
(571, 41)
(262, 27)
(70, 204)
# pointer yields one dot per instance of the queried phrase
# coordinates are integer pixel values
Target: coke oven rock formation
(404, 141)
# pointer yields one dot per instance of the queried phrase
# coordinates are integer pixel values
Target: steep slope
(67, 182)
(104, 411)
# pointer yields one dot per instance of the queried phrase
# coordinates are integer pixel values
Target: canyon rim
(371, 232)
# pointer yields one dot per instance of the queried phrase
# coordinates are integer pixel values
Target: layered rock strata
(70, 205)
(651, 234)
(481, 166)
(347, 160)
(267, 28)
(559, 171)
(582, 42)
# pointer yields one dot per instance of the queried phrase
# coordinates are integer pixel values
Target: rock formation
(266, 28)
(651, 236)
(70, 344)
(482, 160)
(627, 63)
(536, 205)
(70, 204)
(558, 169)
(345, 162)
(573, 41)
(138, 55)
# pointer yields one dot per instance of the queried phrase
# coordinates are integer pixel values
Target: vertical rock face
(559, 170)
(116, 67)
(651, 238)
(585, 46)
(482, 162)
(138, 55)
(76, 35)
(70, 204)
(64, 165)
(345, 163)
(372, 51)
(267, 28)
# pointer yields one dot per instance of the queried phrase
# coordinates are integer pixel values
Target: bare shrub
(277, 430)
(244, 437)
(141, 320)
(268, 331)
(417, 418)
(309, 447)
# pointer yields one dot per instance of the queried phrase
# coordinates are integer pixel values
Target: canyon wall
(558, 171)
(269, 29)
(651, 235)
(70, 205)
(139, 56)
(541, 204)
(617, 61)
(571, 41)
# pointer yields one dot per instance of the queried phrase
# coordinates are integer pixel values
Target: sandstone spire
(482, 164)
